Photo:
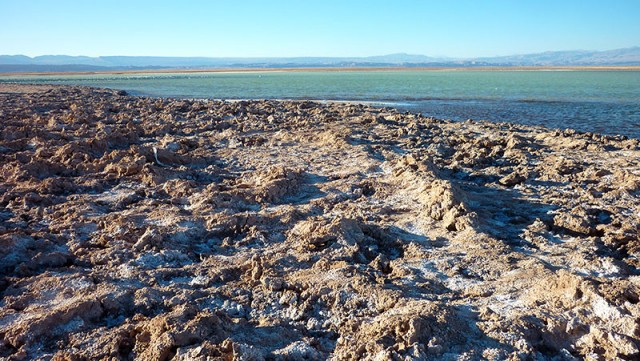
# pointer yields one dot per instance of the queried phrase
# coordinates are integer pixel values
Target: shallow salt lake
(605, 102)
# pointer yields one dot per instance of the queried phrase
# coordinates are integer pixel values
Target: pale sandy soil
(332, 69)
(156, 229)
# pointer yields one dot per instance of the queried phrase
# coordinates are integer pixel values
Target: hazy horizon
(443, 56)
(332, 28)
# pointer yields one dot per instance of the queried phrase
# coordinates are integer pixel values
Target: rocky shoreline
(156, 229)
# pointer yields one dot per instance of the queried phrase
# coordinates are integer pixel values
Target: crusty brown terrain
(156, 229)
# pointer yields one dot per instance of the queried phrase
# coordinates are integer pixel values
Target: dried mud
(157, 229)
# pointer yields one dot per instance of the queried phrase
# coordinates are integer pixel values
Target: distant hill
(155, 61)
(628, 56)
(61, 63)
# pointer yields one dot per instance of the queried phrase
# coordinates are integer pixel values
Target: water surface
(598, 101)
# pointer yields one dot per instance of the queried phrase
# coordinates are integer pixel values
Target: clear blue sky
(456, 28)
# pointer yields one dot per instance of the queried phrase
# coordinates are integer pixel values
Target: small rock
(150, 237)
(512, 179)
(272, 284)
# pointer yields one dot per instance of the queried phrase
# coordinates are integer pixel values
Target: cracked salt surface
(327, 231)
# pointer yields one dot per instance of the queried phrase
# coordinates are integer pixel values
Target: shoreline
(329, 69)
(401, 106)
(149, 228)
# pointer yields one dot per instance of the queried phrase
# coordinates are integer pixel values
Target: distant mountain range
(48, 63)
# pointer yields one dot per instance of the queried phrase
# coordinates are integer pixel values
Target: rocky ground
(156, 229)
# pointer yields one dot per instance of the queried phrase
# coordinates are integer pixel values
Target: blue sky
(456, 28)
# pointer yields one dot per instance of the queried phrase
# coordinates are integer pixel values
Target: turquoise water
(598, 101)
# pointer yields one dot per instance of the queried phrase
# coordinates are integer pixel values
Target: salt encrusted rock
(275, 183)
(581, 220)
(150, 238)
(512, 179)
(318, 233)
